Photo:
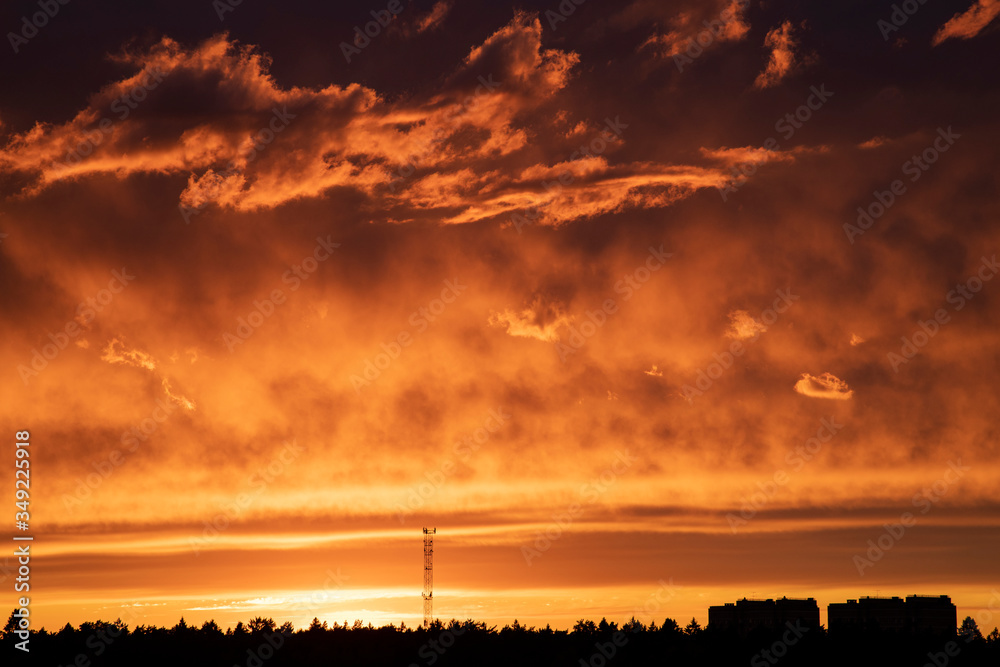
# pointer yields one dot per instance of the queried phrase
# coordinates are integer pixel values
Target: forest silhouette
(261, 642)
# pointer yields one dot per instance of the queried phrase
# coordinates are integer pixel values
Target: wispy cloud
(115, 352)
(537, 321)
(968, 24)
(743, 326)
(826, 385)
(435, 17)
(782, 59)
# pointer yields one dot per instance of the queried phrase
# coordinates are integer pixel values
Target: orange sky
(496, 275)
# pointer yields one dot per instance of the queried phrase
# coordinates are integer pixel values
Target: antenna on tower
(428, 594)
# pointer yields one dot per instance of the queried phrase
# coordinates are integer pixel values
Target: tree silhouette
(632, 625)
(182, 629)
(10, 626)
(210, 628)
(969, 630)
(476, 643)
(259, 624)
(516, 627)
(670, 626)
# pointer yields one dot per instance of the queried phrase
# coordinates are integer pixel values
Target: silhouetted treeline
(263, 643)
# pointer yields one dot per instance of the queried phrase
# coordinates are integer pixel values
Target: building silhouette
(744, 616)
(917, 614)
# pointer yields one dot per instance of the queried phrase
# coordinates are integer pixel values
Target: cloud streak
(826, 385)
(968, 24)
(783, 58)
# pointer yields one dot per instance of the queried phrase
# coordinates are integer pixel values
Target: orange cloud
(751, 155)
(700, 28)
(266, 146)
(743, 326)
(435, 17)
(874, 142)
(782, 60)
(968, 24)
(115, 352)
(537, 321)
(823, 386)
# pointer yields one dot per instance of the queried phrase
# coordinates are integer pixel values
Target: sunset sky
(645, 306)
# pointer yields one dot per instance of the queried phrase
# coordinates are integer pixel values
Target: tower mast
(428, 593)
